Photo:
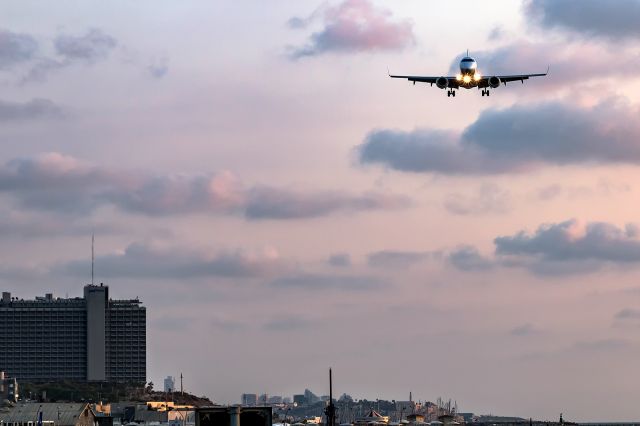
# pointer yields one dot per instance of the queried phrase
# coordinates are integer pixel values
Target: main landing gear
(485, 92)
(451, 93)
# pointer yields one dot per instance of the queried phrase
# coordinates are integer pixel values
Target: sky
(281, 206)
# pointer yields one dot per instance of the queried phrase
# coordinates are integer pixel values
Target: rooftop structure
(53, 414)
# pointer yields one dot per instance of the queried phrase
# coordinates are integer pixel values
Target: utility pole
(330, 411)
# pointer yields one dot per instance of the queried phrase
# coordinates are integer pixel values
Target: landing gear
(451, 93)
(485, 92)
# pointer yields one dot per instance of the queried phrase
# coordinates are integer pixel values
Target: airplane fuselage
(469, 75)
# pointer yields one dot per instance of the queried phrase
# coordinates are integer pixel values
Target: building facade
(249, 399)
(8, 388)
(92, 338)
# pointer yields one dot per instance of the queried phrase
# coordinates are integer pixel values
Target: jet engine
(494, 82)
(442, 82)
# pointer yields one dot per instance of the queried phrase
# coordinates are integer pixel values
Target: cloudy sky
(281, 206)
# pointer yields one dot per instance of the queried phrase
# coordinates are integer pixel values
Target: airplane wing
(484, 82)
(451, 81)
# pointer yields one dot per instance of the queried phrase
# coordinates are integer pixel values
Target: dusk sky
(281, 206)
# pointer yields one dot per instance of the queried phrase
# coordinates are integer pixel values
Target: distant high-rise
(275, 399)
(249, 399)
(93, 338)
(169, 384)
(310, 397)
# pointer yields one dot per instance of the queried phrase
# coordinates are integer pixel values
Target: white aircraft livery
(468, 78)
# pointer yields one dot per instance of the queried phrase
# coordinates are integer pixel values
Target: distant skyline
(281, 206)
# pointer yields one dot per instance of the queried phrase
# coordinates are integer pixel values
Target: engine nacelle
(442, 82)
(494, 82)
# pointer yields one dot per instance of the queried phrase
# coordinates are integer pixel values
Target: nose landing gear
(451, 93)
(485, 92)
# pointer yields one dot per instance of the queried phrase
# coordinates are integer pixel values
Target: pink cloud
(355, 26)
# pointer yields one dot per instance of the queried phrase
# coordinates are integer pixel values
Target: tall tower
(96, 298)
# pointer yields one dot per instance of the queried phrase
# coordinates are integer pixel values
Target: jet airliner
(468, 78)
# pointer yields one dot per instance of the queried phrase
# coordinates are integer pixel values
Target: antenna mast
(330, 411)
(92, 255)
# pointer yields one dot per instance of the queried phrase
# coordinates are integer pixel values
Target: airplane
(468, 78)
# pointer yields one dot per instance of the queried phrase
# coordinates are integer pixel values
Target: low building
(373, 417)
(8, 388)
(415, 418)
(53, 414)
(243, 416)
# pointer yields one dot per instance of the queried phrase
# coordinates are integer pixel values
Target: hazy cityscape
(336, 212)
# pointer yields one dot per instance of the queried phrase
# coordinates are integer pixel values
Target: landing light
(459, 77)
(476, 77)
(466, 78)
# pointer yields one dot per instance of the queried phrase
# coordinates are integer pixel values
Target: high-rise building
(92, 338)
(310, 397)
(169, 384)
(275, 399)
(249, 399)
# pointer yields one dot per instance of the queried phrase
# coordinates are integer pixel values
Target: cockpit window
(467, 60)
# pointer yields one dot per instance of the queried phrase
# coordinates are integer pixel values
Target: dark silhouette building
(92, 338)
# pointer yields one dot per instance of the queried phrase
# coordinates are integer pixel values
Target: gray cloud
(159, 67)
(570, 241)
(287, 324)
(602, 345)
(35, 61)
(143, 261)
(563, 248)
(396, 259)
(19, 226)
(89, 47)
(513, 140)
(31, 110)
(468, 258)
(522, 330)
(496, 33)
(488, 199)
(341, 260)
(328, 282)
(227, 324)
(16, 48)
(628, 314)
(177, 194)
(590, 18)
(274, 203)
(56, 182)
(353, 26)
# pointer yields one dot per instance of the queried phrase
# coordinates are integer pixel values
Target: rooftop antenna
(92, 255)
(181, 388)
(330, 411)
